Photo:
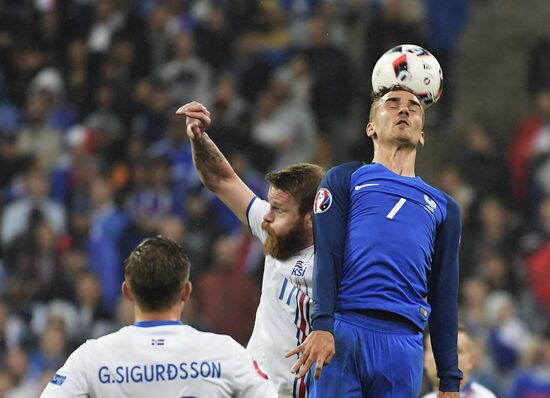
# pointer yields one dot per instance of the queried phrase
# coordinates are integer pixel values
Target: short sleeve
(255, 213)
(70, 381)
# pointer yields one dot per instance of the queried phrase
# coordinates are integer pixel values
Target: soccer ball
(413, 67)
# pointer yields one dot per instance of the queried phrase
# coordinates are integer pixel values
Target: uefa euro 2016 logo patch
(323, 200)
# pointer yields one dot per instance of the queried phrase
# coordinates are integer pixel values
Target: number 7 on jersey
(396, 208)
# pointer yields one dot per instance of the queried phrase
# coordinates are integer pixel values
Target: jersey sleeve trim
(248, 211)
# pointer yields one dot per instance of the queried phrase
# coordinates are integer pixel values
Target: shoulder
(344, 169)
(222, 341)
(339, 176)
(109, 340)
(448, 205)
(452, 209)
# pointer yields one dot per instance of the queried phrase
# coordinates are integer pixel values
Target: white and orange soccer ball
(411, 66)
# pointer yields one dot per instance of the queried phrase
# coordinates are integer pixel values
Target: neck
(309, 240)
(170, 314)
(400, 160)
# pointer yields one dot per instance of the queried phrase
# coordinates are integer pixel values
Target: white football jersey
(284, 313)
(160, 359)
(470, 390)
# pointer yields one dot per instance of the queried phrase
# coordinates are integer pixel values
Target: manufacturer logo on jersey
(299, 269)
(323, 200)
(58, 379)
(157, 341)
(358, 187)
(430, 204)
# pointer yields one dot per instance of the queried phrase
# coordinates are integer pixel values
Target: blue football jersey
(388, 242)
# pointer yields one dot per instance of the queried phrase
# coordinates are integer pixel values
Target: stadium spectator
(482, 163)
(285, 127)
(186, 75)
(36, 137)
(330, 96)
(445, 23)
(221, 289)
(523, 148)
(107, 224)
(538, 63)
(18, 215)
(535, 380)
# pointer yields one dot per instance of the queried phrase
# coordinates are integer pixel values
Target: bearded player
(284, 225)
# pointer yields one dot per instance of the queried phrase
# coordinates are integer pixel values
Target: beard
(284, 246)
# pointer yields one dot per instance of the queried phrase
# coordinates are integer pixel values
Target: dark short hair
(156, 271)
(300, 180)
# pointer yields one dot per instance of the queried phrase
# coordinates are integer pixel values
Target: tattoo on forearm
(207, 152)
(210, 162)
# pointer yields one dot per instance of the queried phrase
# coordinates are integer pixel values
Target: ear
(126, 291)
(186, 291)
(422, 138)
(371, 132)
(308, 218)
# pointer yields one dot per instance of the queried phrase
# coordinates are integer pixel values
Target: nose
(268, 217)
(404, 111)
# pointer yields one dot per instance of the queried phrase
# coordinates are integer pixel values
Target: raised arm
(214, 170)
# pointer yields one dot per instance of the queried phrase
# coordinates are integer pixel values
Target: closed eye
(414, 106)
(393, 102)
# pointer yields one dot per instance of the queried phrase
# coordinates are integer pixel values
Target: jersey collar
(150, 324)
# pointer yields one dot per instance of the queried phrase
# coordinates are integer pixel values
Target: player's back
(163, 359)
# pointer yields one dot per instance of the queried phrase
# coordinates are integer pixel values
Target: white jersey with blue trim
(470, 390)
(160, 359)
(284, 313)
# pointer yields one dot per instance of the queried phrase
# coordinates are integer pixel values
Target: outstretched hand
(317, 348)
(197, 118)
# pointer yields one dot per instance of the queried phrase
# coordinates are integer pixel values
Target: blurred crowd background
(93, 159)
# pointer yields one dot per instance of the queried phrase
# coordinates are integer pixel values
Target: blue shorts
(375, 358)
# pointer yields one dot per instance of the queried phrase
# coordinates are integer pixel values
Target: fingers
(298, 364)
(294, 351)
(318, 368)
(192, 107)
(194, 130)
(305, 368)
(195, 111)
(204, 118)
